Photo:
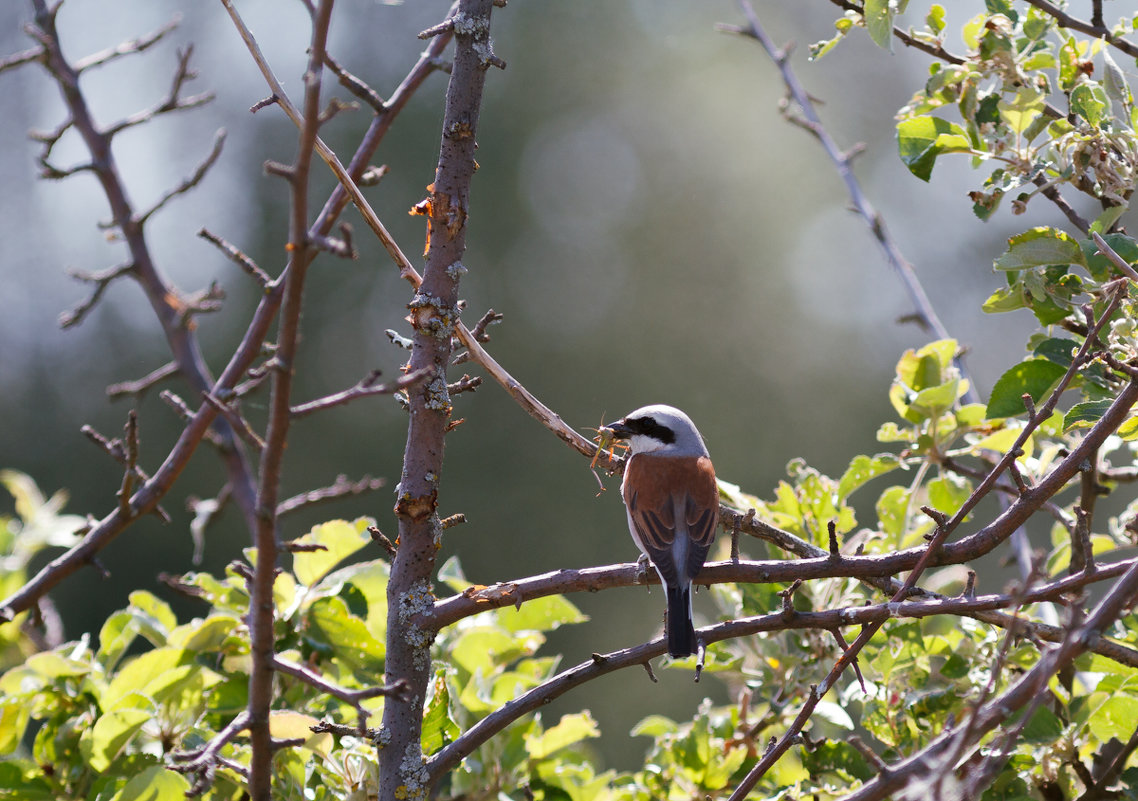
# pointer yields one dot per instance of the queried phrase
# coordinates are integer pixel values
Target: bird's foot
(642, 569)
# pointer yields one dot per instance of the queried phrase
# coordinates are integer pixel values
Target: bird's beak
(618, 430)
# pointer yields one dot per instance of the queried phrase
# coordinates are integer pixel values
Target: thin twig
(190, 182)
(130, 47)
(340, 488)
(203, 762)
(238, 257)
(261, 616)
(139, 386)
(365, 388)
(1098, 31)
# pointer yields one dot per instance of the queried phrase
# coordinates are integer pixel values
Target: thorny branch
(261, 615)
(365, 388)
(168, 307)
(249, 349)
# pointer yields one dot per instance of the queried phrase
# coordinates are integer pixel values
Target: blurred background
(651, 228)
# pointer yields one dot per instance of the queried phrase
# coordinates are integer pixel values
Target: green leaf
(1057, 349)
(935, 401)
(1109, 217)
(569, 730)
(541, 614)
(1068, 64)
(52, 665)
(331, 629)
(1044, 727)
(337, 539)
(154, 784)
(1023, 109)
(114, 729)
(1114, 718)
(891, 432)
(156, 611)
(843, 25)
(1129, 429)
(935, 18)
(863, 469)
(878, 16)
(451, 574)
(654, 726)
(1033, 377)
(922, 139)
(146, 673)
(1040, 247)
(1085, 414)
(439, 728)
(14, 715)
(1089, 101)
(484, 648)
(1115, 84)
(1102, 268)
(948, 493)
(891, 510)
(1006, 299)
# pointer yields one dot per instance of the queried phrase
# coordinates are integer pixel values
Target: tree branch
(365, 388)
(261, 617)
(434, 316)
(249, 349)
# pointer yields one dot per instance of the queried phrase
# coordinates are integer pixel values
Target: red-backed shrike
(673, 506)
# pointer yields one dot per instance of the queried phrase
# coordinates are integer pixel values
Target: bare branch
(340, 488)
(139, 387)
(101, 280)
(351, 697)
(1050, 192)
(190, 182)
(203, 762)
(238, 257)
(173, 101)
(261, 616)
(248, 350)
(239, 423)
(365, 388)
(842, 163)
(139, 45)
(1124, 267)
(34, 54)
(356, 86)
(1098, 31)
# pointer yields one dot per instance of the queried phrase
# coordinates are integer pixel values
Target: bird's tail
(681, 633)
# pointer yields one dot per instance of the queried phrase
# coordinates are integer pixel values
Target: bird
(672, 501)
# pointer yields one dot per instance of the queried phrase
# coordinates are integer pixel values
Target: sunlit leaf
(922, 139)
(1033, 377)
(541, 614)
(863, 469)
(569, 730)
(878, 16)
(1089, 101)
(114, 729)
(1085, 414)
(154, 784)
(336, 540)
(439, 728)
(1040, 247)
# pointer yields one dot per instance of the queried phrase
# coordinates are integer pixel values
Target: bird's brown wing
(653, 507)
